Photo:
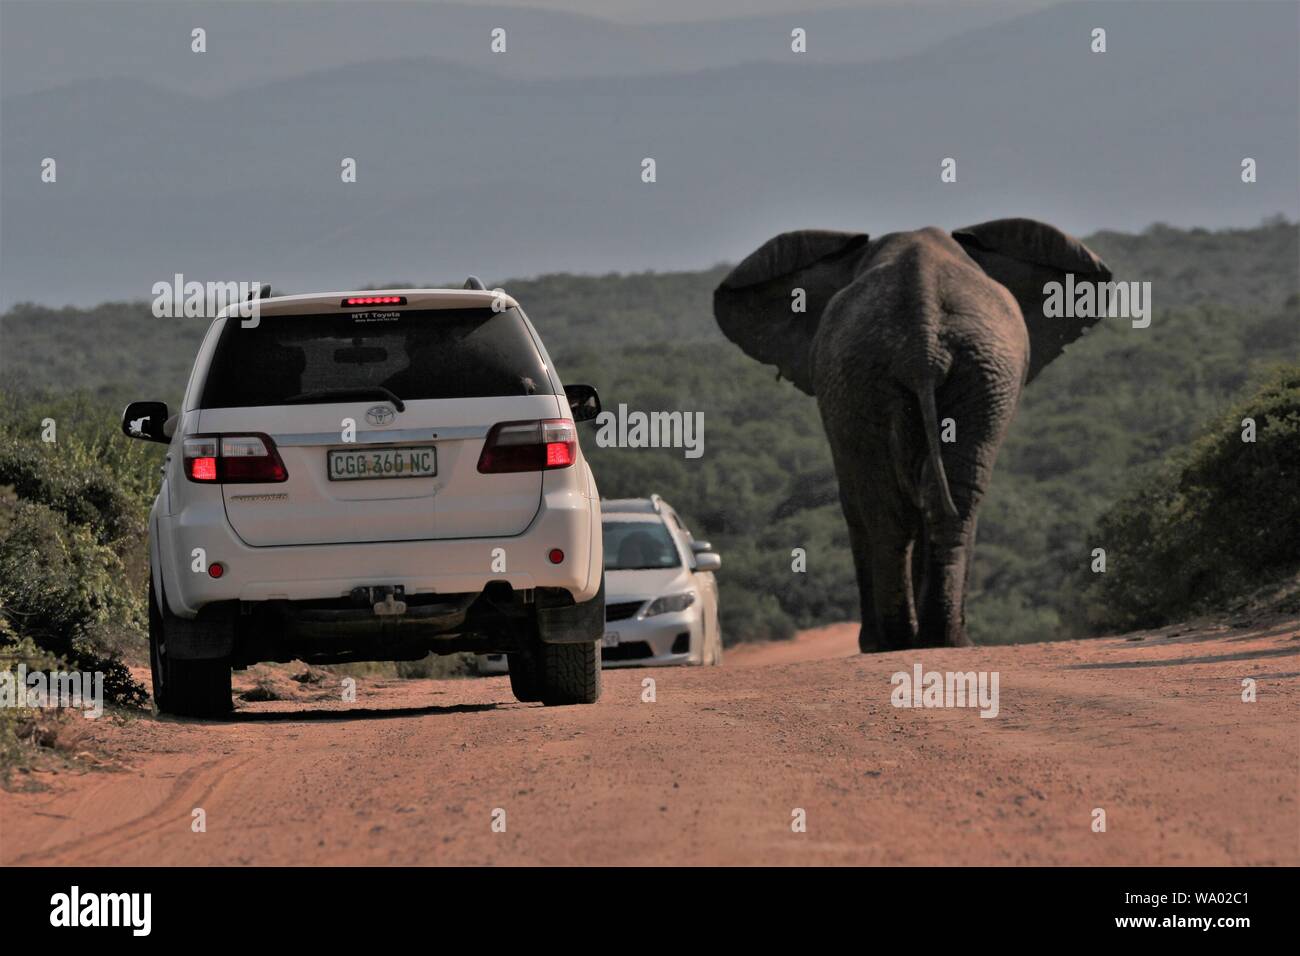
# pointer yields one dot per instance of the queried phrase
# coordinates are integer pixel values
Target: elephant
(917, 346)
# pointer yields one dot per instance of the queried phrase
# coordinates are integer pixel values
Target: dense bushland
(1217, 523)
(1092, 431)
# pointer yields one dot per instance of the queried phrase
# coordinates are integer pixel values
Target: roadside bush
(20, 727)
(1214, 523)
(86, 496)
(756, 617)
(67, 594)
(72, 523)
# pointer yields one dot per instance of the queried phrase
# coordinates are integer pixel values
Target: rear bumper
(566, 520)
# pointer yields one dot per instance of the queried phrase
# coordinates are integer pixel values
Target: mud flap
(560, 621)
(210, 636)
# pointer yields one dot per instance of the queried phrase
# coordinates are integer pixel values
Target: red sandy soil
(1150, 727)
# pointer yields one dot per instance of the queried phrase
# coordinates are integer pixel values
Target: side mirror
(583, 402)
(699, 547)
(707, 561)
(146, 420)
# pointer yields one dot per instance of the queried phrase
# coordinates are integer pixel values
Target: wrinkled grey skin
(901, 333)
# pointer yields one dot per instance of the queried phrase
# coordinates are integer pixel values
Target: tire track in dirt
(1151, 729)
(192, 787)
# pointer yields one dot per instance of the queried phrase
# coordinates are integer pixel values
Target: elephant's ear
(755, 305)
(1032, 242)
(1024, 255)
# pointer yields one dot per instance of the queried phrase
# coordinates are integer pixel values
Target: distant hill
(45, 46)
(1091, 428)
(464, 167)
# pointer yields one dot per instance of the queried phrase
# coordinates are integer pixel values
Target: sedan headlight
(670, 603)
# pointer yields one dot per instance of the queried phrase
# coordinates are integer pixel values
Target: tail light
(529, 446)
(373, 300)
(233, 459)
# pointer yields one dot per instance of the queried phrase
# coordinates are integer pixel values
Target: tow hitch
(386, 600)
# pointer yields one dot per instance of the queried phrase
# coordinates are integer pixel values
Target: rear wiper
(361, 391)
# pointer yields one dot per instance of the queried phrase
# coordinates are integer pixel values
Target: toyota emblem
(380, 415)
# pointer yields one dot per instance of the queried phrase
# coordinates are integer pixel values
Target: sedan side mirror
(147, 421)
(584, 403)
(699, 547)
(707, 561)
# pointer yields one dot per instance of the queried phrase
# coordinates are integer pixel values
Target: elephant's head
(755, 304)
(1024, 255)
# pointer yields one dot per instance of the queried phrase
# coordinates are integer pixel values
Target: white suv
(366, 476)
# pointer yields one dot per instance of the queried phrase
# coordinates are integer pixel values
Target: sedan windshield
(639, 546)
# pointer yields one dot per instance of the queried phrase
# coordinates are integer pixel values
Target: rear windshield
(435, 353)
(639, 546)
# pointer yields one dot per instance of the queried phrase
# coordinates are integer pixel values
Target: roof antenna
(474, 282)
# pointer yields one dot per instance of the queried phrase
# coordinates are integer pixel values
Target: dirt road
(714, 770)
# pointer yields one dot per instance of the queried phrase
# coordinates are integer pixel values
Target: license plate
(610, 639)
(417, 462)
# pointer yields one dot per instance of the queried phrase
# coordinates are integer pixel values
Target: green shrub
(1215, 522)
(72, 534)
(19, 726)
(86, 496)
(67, 593)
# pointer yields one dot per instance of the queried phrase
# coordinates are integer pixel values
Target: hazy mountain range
(49, 44)
(226, 165)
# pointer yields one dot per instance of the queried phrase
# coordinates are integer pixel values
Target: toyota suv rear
(373, 476)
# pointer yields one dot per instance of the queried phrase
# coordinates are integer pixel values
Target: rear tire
(184, 688)
(525, 675)
(570, 673)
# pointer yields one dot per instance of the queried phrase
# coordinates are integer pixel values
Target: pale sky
(677, 10)
(650, 11)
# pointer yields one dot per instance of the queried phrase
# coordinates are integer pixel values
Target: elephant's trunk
(930, 416)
